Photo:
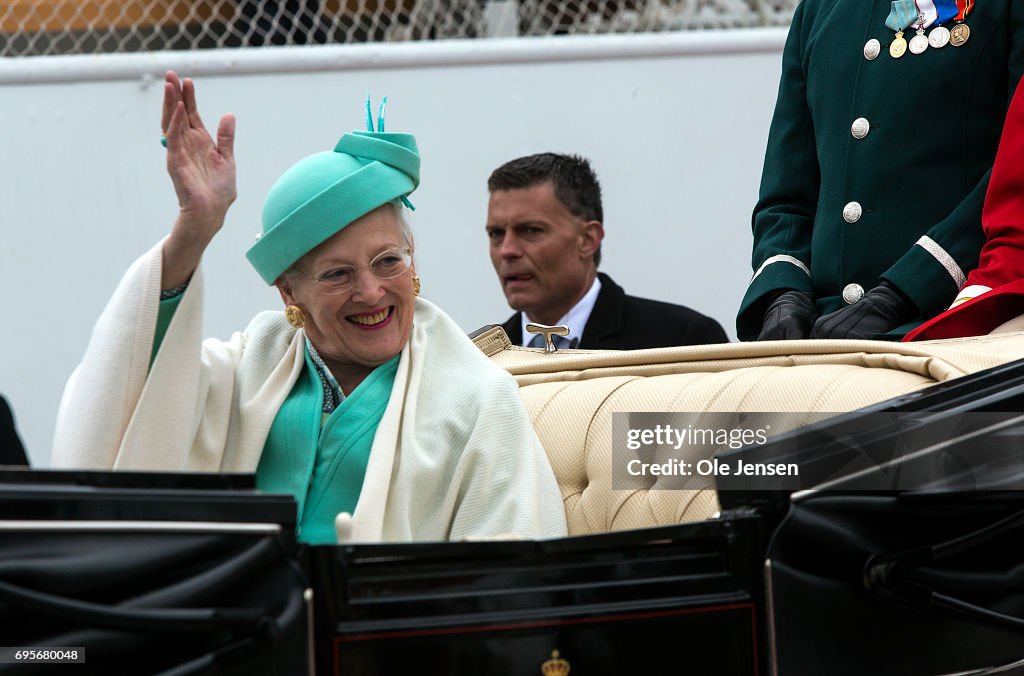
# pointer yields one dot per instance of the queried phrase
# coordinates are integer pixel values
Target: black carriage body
(864, 576)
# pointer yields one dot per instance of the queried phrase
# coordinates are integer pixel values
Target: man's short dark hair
(575, 183)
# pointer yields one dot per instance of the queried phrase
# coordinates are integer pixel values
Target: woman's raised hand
(202, 170)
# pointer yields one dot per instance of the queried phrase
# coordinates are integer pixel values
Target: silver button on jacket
(871, 49)
(852, 212)
(852, 293)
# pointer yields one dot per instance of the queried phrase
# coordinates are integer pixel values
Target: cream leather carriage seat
(571, 396)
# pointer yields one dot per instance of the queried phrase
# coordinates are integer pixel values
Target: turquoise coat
(877, 168)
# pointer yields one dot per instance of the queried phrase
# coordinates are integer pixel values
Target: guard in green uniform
(878, 158)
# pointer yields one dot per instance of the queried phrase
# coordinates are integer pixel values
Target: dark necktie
(561, 342)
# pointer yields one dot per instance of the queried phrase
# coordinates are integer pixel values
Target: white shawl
(455, 455)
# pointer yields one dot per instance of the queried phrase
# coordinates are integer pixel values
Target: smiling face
(543, 254)
(363, 326)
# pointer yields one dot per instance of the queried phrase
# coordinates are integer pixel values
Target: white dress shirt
(576, 318)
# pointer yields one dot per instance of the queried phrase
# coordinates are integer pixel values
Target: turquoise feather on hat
(321, 194)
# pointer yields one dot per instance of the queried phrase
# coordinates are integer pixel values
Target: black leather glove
(881, 309)
(789, 317)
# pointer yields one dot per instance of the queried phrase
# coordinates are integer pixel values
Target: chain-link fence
(46, 27)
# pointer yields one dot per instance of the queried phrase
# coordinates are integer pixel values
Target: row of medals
(938, 38)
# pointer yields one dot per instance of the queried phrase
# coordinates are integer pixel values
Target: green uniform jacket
(903, 203)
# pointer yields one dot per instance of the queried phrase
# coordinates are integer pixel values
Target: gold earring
(415, 285)
(293, 314)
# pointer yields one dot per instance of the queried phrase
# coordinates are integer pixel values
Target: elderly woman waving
(359, 399)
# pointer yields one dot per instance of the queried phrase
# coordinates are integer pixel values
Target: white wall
(675, 126)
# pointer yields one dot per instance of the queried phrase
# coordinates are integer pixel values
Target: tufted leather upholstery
(571, 396)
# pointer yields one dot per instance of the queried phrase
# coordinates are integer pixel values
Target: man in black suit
(544, 223)
(11, 450)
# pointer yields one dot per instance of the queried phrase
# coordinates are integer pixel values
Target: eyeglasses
(385, 265)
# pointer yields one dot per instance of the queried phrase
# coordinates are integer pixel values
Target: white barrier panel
(675, 126)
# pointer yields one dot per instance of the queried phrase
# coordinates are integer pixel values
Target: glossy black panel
(626, 602)
(899, 585)
(147, 578)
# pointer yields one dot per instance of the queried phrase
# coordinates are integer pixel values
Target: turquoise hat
(321, 194)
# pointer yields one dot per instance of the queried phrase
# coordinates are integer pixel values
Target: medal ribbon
(965, 7)
(946, 10)
(927, 13)
(904, 12)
